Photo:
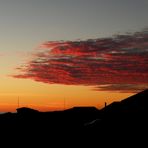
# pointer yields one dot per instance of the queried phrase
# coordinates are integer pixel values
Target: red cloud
(120, 60)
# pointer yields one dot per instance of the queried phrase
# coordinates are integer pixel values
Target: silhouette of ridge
(137, 103)
(83, 109)
(118, 118)
(26, 110)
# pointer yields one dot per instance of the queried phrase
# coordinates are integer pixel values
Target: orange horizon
(61, 105)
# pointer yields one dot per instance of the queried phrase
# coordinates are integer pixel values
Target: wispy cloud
(126, 88)
(119, 62)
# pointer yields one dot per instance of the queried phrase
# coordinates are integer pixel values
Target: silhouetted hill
(26, 111)
(124, 121)
(128, 116)
(83, 109)
(135, 104)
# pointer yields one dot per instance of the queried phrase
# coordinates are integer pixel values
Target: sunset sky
(81, 52)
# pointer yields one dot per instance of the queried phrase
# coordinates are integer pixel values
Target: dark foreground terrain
(120, 121)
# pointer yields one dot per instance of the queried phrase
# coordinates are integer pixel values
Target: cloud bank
(116, 63)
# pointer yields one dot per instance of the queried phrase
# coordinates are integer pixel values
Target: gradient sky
(28, 26)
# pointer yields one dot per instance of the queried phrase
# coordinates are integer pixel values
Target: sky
(81, 51)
